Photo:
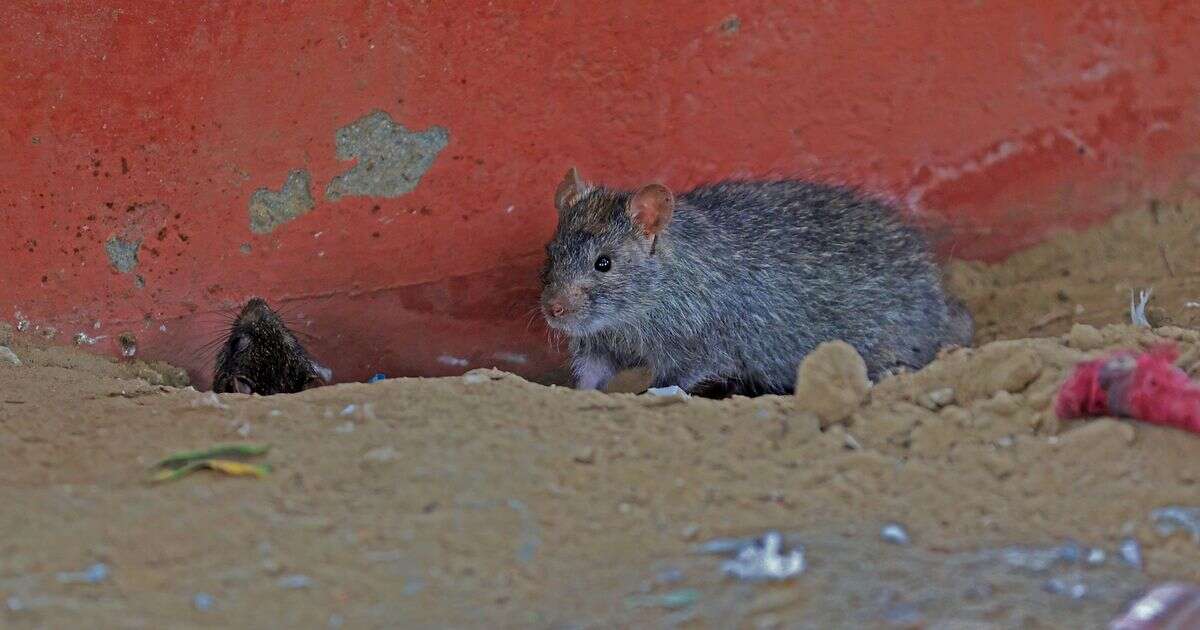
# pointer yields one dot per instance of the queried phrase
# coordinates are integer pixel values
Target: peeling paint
(270, 209)
(123, 253)
(391, 159)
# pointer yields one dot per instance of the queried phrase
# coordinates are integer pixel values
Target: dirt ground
(489, 501)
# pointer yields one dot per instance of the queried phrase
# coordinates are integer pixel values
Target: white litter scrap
(673, 391)
(1137, 307)
(764, 560)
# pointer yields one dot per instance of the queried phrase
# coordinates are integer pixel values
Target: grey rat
(261, 355)
(730, 285)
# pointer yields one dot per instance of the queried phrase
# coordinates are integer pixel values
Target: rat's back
(787, 265)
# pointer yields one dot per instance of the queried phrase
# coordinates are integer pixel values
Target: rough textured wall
(384, 170)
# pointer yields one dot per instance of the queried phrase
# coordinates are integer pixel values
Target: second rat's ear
(571, 190)
(651, 208)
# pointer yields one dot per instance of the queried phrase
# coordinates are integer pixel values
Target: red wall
(158, 120)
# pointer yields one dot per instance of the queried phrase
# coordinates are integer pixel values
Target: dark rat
(261, 356)
(730, 285)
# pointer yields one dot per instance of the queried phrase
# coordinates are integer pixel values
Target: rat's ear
(570, 190)
(651, 208)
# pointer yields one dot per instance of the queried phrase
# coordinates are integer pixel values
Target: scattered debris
(674, 391)
(723, 546)
(1173, 518)
(82, 339)
(295, 581)
(229, 467)
(894, 533)
(1169, 605)
(1137, 308)
(178, 465)
(92, 575)
(203, 602)
(1067, 587)
(380, 376)
(1039, 559)
(482, 376)
(764, 560)
(674, 600)
(218, 451)
(1146, 386)
(9, 357)
(1096, 556)
(348, 410)
(1131, 552)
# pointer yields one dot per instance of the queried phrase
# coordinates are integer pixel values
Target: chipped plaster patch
(122, 253)
(391, 159)
(270, 209)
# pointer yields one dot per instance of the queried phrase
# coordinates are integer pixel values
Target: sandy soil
(489, 501)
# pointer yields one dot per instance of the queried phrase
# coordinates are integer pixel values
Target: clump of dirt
(489, 501)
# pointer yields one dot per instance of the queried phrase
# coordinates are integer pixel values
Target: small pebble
(1096, 556)
(1131, 552)
(689, 531)
(348, 410)
(1065, 587)
(586, 455)
(8, 356)
(1173, 518)
(295, 581)
(202, 602)
(894, 533)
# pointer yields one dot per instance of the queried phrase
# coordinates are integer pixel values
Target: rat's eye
(603, 264)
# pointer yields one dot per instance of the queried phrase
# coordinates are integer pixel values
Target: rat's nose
(556, 308)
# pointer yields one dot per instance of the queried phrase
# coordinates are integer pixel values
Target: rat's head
(261, 356)
(601, 264)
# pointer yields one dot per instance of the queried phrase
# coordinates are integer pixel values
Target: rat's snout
(562, 303)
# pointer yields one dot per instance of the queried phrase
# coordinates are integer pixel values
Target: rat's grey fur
(745, 280)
